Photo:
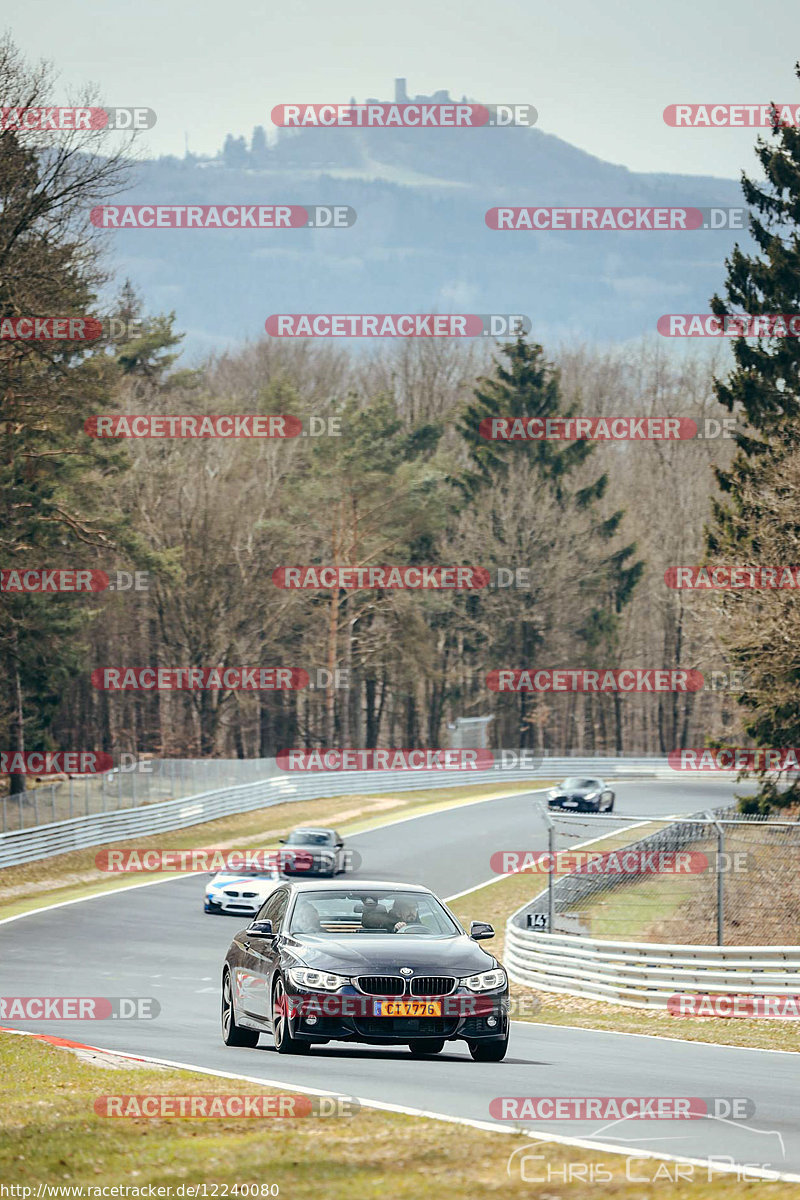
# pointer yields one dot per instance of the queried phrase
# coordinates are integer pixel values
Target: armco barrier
(645, 974)
(95, 829)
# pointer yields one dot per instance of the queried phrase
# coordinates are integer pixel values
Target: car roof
(332, 885)
(312, 829)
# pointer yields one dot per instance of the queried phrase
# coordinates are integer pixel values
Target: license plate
(570, 803)
(407, 1008)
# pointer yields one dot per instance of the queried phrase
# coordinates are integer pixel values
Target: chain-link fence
(712, 878)
(146, 781)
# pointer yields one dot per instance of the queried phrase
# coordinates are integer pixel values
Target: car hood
(576, 791)
(385, 953)
(256, 883)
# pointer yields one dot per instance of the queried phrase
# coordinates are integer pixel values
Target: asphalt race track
(156, 941)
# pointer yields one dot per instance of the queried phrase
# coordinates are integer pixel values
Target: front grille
(432, 985)
(227, 893)
(249, 895)
(381, 985)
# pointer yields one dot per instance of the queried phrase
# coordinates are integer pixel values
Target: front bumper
(349, 1015)
(310, 867)
(241, 906)
(573, 803)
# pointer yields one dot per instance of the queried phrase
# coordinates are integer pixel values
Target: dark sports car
(381, 963)
(579, 793)
(313, 851)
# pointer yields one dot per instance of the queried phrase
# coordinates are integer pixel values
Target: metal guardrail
(151, 780)
(645, 975)
(277, 787)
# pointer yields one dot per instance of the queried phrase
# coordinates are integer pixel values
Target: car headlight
(551, 795)
(486, 981)
(591, 795)
(318, 981)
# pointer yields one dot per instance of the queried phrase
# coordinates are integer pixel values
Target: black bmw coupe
(381, 963)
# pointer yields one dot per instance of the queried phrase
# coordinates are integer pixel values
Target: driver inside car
(402, 913)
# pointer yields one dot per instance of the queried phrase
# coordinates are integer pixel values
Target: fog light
(491, 1022)
(311, 1020)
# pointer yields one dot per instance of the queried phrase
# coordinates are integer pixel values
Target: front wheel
(233, 1034)
(610, 805)
(420, 1047)
(285, 1043)
(494, 1051)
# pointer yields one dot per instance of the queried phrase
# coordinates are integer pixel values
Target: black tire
(489, 1051)
(233, 1034)
(420, 1047)
(281, 1031)
(611, 805)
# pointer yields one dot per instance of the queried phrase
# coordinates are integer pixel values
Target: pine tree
(605, 573)
(55, 482)
(757, 512)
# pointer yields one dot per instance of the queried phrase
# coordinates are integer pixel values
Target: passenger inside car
(306, 919)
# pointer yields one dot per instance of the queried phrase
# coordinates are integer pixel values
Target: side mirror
(260, 929)
(479, 931)
(339, 845)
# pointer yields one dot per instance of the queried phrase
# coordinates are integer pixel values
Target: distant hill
(420, 242)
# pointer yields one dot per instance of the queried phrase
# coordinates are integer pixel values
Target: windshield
(574, 782)
(331, 914)
(309, 837)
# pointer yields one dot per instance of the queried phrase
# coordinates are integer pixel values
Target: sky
(599, 72)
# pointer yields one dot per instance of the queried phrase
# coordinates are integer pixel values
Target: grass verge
(51, 1135)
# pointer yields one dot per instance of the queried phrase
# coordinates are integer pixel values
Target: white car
(239, 893)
